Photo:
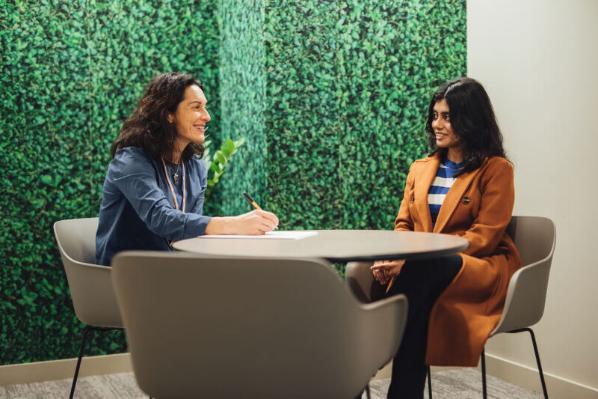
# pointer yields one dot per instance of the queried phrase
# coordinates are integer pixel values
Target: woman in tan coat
(465, 187)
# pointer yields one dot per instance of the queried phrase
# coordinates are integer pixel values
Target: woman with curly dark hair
(465, 187)
(154, 189)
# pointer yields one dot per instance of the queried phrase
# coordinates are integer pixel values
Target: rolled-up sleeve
(135, 177)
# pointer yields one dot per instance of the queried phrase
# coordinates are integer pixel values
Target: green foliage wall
(242, 93)
(347, 85)
(70, 72)
(330, 96)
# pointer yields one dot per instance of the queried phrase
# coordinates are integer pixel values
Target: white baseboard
(65, 368)
(527, 377)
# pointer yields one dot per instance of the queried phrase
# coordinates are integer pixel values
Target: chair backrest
(256, 328)
(90, 284)
(535, 237)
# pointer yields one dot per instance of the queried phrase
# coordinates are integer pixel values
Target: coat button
(466, 200)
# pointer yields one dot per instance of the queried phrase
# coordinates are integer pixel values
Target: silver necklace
(176, 173)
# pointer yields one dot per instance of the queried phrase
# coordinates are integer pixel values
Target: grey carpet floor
(446, 384)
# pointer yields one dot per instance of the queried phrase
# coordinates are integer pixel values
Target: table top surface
(333, 245)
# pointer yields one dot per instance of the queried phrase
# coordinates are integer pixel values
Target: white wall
(538, 59)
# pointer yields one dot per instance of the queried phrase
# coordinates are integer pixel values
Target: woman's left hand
(385, 270)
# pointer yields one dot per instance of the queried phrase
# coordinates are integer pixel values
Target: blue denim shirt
(137, 210)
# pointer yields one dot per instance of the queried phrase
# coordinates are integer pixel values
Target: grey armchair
(535, 238)
(90, 284)
(255, 328)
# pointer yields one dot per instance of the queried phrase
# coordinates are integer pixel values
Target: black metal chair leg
(429, 383)
(484, 389)
(537, 353)
(86, 332)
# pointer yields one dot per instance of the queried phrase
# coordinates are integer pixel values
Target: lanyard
(171, 187)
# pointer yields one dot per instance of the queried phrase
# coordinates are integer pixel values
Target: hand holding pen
(258, 220)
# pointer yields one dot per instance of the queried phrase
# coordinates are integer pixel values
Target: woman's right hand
(256, 222)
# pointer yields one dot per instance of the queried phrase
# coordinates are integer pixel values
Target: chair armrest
(385, 323)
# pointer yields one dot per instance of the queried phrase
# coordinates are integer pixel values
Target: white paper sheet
(272, 235)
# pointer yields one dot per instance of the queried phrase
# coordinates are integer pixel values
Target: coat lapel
(453, 197)
(422, 186)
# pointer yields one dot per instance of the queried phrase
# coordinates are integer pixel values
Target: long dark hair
(473, 121)
(148, 126)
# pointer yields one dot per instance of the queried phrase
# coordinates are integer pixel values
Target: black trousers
(422, 282)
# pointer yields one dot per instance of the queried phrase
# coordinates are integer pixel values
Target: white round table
(333, 245)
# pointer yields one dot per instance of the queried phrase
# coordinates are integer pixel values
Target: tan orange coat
(478, 208)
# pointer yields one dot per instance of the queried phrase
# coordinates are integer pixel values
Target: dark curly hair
(148, 126)
(473, 121)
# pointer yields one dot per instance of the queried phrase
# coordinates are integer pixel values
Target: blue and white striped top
(440, 186)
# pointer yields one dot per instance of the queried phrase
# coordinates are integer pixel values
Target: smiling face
(441, 124)
(191, 117)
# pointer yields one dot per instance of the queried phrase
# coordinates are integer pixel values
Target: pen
(389, 285)
(251, 201)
